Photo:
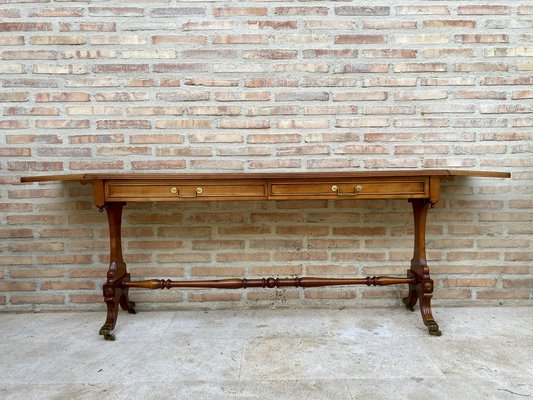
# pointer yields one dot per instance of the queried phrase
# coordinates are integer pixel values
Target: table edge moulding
(112, 191)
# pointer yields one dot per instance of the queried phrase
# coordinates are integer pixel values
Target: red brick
(116, 11)
(217, 297)
(176, 12)
(32, 83)
(123, 124)
(17, 286)
(468, 38)
(388, 24)
(62, 97)
(217, 271)
(14, 97)
(13, 124)
(240, 39)
(421, 95)
(483, 10)
(189, 67)
(360, 96)
(263, 164)
(58, 40)
(389, 53)
(273, 24)
(72, 285)
(25, 26)
(278, 295)
(330, 294)
(87, 27)
(469, 282)
(387, 82)
(94, 165)
(10, 13)
(479, 94)
(29, 55)
(480, 67)
(300, 11)
(270, 82)
(31, 111)
(239, 11)
(158, 164)
(38, 299)
(35, 166)
(210, 54)
(207, 25)
(502, 294)
(359, 10)
(359, 39)
(36, 273)
(271, 54)
(420, 67)
(450, 23)
(62, 124)
(218, 164)
(423, 10)
(522, 94)
(118, 68)
(57, 12)
(447, 52)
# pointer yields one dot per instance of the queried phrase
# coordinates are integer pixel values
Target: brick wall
(170, 85)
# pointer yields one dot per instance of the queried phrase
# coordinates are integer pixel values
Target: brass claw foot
(106, 332)
(433, 328)
(110, 336)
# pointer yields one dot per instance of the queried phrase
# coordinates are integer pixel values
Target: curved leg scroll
(425, 293)
(111, 298)
(422, 289)
(115, 293)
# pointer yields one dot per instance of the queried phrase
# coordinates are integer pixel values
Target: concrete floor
(484, 353)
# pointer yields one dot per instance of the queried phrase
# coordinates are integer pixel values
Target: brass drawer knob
(356, 189)
(196, 192)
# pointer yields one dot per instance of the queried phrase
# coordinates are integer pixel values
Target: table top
(89, 176)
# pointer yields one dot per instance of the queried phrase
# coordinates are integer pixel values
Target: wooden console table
(112, 191)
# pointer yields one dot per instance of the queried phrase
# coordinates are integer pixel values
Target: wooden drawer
(350, 189)
(185, 190)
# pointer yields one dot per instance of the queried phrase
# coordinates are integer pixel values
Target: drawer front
(184, 191)
(350, 189)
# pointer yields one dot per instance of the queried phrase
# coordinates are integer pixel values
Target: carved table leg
(115, 293)
(422, 289)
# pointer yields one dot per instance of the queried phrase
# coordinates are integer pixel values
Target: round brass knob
(174, 190)
(358, 188)
(199, 190)
(334, 188)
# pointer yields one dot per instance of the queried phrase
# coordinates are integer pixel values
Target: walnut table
(112, 191)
